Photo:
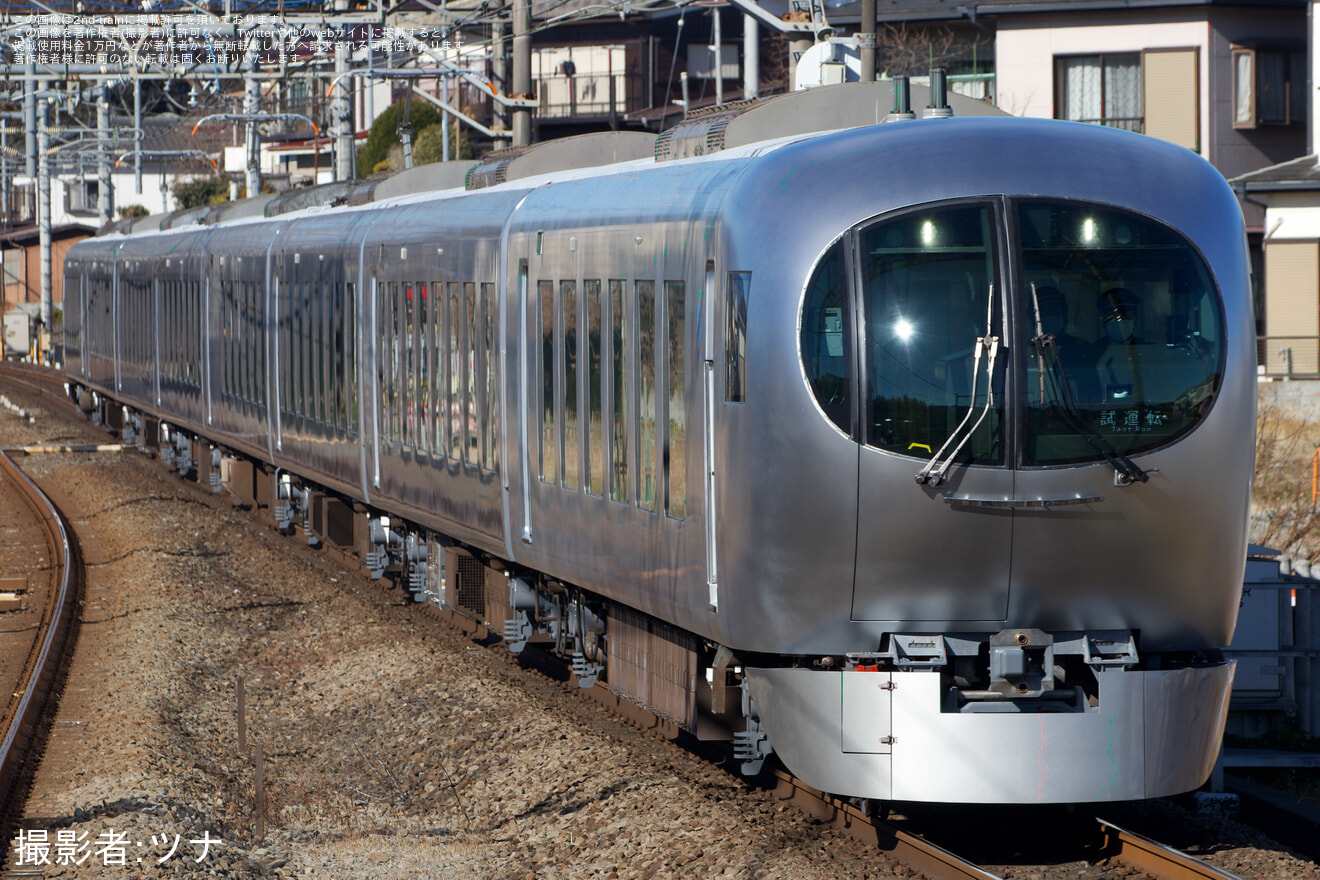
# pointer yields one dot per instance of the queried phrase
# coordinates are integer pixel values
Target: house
(1288, 300)
(21, 253)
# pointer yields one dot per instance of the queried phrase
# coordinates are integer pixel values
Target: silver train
(917, 454)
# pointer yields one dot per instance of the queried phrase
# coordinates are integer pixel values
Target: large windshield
(1125, 338)
(1118, 344)
(927, 284)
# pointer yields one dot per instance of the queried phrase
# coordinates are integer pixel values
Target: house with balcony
(1288, 193)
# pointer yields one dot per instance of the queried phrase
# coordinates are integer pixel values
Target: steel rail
(1155, 859)
(44, 671)
(917, 853)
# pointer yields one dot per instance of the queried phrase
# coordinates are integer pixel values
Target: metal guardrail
(587, 95)
(1288, 357)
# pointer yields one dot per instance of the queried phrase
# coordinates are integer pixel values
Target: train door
(931, 353)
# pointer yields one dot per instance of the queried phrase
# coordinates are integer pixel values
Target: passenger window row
(135, 325)
(438, 369)
(181, 332)
(317, 339)
(243, 341)
(574, 355)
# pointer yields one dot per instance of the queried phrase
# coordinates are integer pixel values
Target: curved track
(35, 694)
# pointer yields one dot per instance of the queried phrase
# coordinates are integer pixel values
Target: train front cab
(1031, 385)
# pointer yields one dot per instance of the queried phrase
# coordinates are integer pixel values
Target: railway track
(31, 704)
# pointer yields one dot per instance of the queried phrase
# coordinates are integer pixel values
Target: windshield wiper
(935, 470)
(1047, 353)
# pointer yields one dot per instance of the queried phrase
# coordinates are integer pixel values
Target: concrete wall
(1300, 398)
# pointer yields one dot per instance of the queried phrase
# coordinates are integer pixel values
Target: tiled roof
(926, 10)
(1298, 174)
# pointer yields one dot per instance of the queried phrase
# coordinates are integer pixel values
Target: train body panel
(433, 431)
(965, 405)
(314, 409)
(896, 739)
(236, 297)
(610, 478)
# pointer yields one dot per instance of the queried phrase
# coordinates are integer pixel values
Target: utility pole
(105, 206)
(343, 115)
(751, 58)
(866, 42)
(137, 133)
(522, 70)
(499, 61)
(43, 210)
(30, 110)
(252, 106)
(717, 53)
(444, 118)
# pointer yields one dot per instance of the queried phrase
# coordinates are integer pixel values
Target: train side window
(384, 356)
(469, 363)
(454, 411)
(309, 384)
(545, 293)
(193, 315)
(476, 324)
(339, 363)
(252, 339)
(227, 300)
(595, 465)
(315, 382)
(735, 337)
(236, 293)
(490, 425)
(304, 350)
(396, 416)
(399, 327)
(247, 343)
(295, 298)
(569, 358)
(334, 356)
(258, 308)
(438, 395)
(619, 340)
(827, 338)
(247, 337)
(317, 343)
(261, 345)
(240, 340)
(350, 334)
(675, 448)
(255, 332)
(424, 333)
(646, 394)
(410, 365)
(284, 327)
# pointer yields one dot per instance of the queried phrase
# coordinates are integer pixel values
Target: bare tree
(912, 51)
(1283, 507)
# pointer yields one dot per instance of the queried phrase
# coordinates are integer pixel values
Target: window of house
(1103, 89)
(1269, 86)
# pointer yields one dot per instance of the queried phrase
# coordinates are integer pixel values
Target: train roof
(757, 125)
